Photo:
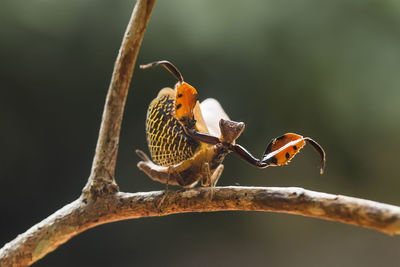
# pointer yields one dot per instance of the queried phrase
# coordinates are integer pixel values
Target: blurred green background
(328, 70)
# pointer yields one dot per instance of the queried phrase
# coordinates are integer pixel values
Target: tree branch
(101, 180)
(101, 202)
(79, 216)
(21, 251)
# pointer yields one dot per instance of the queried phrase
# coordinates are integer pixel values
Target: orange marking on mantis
(284, 148)
(185, 100)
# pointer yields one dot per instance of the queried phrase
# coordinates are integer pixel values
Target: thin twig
(101, 180)
(77, 216)
(22, 251)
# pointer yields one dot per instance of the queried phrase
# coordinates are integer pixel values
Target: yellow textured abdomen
(167, 141)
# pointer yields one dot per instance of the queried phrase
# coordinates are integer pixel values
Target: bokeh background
(325, 69)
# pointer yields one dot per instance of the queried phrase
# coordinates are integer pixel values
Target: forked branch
(101, 202)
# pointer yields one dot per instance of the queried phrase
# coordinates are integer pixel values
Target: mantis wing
(213, 112)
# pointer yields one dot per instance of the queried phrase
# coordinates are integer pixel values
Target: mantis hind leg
(162, 200)
(216, 175)
(211, 179)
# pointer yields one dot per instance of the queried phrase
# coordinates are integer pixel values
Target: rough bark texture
(70, 220)
(79, 216)
(101, 202)
(101, 180)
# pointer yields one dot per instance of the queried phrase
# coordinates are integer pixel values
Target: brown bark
(101, 202)
(101, 180)
(79, 216)
(65, 223)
